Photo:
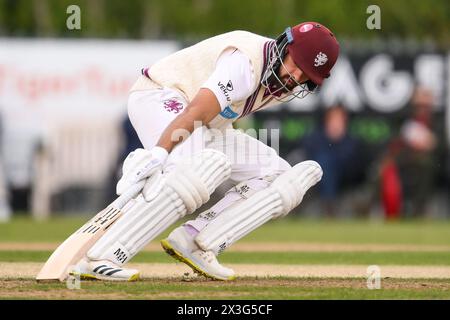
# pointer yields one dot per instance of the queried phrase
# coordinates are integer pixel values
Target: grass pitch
(241, 289)
(303, 245)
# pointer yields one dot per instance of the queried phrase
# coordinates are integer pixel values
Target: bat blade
(77, 245)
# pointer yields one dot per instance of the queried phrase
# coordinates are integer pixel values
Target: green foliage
(191, 20)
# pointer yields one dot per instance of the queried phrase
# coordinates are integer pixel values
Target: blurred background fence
(379, 126)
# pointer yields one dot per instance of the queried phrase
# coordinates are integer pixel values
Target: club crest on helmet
(320, 60)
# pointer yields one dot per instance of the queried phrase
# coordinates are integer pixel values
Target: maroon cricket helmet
(314, 49)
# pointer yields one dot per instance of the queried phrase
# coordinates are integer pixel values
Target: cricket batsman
(182, 109)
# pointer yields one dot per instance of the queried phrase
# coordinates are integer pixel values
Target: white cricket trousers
(151, 111)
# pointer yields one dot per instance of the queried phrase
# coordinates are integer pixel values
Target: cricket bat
(78, 244)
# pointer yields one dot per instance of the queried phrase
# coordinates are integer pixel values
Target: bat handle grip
(129, 194)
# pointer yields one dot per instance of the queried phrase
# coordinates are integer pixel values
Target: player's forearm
(178, 130)
(203, 108)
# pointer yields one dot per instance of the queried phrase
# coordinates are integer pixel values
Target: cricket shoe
(181, 246)
(103, 270)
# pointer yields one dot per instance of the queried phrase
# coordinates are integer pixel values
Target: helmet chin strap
(272, 82)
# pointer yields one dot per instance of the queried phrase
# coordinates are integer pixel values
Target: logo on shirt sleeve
(228, 113)
(226, 88)
(173, 105)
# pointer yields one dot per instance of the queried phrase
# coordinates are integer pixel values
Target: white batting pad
(284, 194)
(183, 190)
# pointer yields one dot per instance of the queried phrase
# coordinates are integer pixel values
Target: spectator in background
(416, 155)
(333, 148)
